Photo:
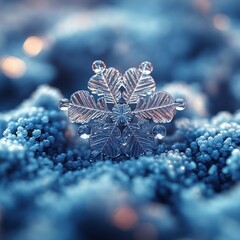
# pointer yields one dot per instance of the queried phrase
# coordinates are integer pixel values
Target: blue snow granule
(49, 183)
(210, 144)
(233, 165)
(41, 131)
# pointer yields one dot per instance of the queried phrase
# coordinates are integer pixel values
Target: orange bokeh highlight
(125, 218)
(221, 22)
(13, 67)
(33, 46)
(203, 5)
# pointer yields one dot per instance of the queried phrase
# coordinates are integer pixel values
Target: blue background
(48, 187)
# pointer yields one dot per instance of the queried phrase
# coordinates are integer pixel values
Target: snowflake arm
(106, 82)
(159, 107)
(82, 107)
(105, 139)
(137, 83)
(137, 141)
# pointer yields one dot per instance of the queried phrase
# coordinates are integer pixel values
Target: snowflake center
(121, 114)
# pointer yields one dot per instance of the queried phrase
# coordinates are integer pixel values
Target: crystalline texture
(137, 141)
(107, 83)
(105, 139)
(121, 114)
(137, 84)
(83, 107)
(121, 127)
(159, 107)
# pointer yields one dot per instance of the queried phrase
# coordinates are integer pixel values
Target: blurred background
(193, 44)
(47, 182)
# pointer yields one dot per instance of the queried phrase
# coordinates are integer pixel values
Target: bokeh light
(221, 22)
(33, 46)
(125, 218)
(13, 67)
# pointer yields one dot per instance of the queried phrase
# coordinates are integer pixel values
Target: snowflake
(121, 120)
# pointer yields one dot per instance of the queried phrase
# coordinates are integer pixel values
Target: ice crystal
(118, 119)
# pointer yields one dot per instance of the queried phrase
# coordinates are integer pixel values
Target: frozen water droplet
(85, 136)
(84, 131)
(159, 131)
(146, 67)
(181, 104)
(63, 104)
(98, 66)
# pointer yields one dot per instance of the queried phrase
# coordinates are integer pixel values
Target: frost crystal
(118, 122)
